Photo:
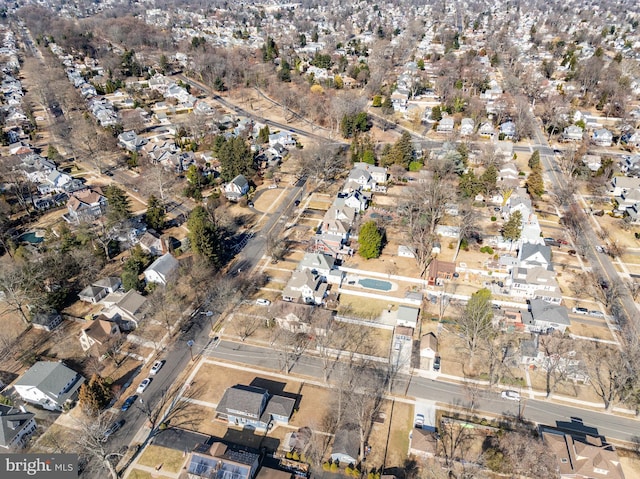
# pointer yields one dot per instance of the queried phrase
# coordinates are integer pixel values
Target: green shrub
(415, 166)
(493, 218)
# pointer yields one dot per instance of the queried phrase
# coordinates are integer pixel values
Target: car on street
(596, 314)
(510, 395)
(578, 310)
(143, 385)
(600, 249)
(112, 430)
(263, 302)
(273, 187)
(157, 366)
(562, 241)
(250, 204)
(419, 421)
(129, 401)
(436, 363)
(297, 202)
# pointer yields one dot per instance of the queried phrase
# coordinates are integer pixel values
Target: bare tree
(246, 324)
(21, 288)
(558, 352)
(89, 443)
(165, 305)
(475, 322)
(603, 365)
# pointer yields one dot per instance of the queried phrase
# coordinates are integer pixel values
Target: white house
(535, 255)
(445, 125)
(236, 188)
(572, 133)
(48, 384)
(602, 137)
(306, 286)
(537, 282)
(467, 126)
(162, 270)
(428, 351)
(407, 316)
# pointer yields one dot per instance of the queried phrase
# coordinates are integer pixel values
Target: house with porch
(440, 271)
(162, 270)
(98, 332)
(305, 286)
(236, 188)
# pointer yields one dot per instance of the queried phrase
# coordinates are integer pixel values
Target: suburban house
(535, 283)
(254, 407)
(445, 125)
(582, 456)
(355, 199)
(407, 316)
(99, 331)
(534, 256)
(364, 176)
(302, 318)
(85, 205)
(428, 351)
(130, 141)
(378, 173)
(284, 138)
(46, 320)
(440, 271)
(101, 288)
(602, 137)
(152, 244)
(305, 286)
(128, 309)
(236, 188)
(48, 384)
(346, 445)
(223, 462)
(322, 264)
(623, 184)
(16, 427)
(544, 317)
(508, 130)
(572, 133)
(467, 126)
(162, 270)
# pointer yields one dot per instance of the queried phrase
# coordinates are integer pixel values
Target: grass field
(171, 460)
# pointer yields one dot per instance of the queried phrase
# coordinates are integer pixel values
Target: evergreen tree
(118, 206)
(203, 235)
(535, 183)
(512, 229)
(263, 134)
(218, 84)
(534, 161)
(469, 184)
(404, 150)
(370, 240)
(489, 178)
(155, 215)
(284, 74)
(269, 50)
(436, 113)
(387, 106)
(94, 395)
(235, 158)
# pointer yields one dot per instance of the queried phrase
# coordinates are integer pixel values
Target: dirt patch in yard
(217, 379)
(589, 331)
(312, 405)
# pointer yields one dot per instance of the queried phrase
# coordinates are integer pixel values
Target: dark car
(297, 202)
(129, 402)
(186, 327)
(436, 363)
(112, 430)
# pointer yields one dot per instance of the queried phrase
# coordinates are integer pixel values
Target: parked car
(250, 204)
(143, 385)
(272, 187)
(510, 395)
(562, 241)
(112, 430)
(129, 401)
(596, 313)
(263, 302)
(579, 310)
(419, 420)
(157, 366)
(436, 363)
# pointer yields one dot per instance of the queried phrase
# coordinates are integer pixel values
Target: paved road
(600, 262)
(544, 412)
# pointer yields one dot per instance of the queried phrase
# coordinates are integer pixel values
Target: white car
(157, 366)
(510, 395)
(143, 385)
(263, 302)
(272, 187)
(419, 421)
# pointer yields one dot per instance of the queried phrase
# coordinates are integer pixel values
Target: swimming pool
(375, 284)
(31, 237)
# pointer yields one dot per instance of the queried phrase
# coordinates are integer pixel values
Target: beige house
(428, 351)
(99, 331)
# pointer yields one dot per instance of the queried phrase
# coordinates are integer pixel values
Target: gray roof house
(16, 427)
(236, 188)
(407, 316)
(48, 384)
(162, 270)
(535, 255)
(548, 317)
(319, 263)
(46, 320)
(346, 445)
(254, 407)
